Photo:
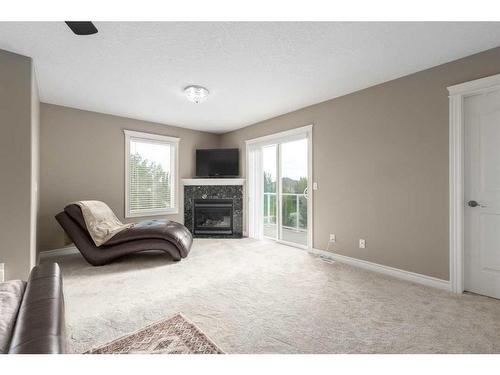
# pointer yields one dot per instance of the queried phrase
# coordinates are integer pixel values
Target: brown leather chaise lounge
(168, 236)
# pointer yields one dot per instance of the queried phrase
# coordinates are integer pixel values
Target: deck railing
(268, 215)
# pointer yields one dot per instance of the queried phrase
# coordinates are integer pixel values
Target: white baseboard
(386, 270)
(57, 252)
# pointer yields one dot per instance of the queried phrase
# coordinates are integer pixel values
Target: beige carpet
(261, 297)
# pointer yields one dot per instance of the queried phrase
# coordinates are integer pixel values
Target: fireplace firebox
(213, 216)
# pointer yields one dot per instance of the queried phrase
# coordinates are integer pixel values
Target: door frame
(457, 94)
(269, 139)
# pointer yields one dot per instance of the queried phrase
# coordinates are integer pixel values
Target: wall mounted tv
(222, 162)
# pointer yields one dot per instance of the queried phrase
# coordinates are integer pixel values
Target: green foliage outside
(290, 211)
(149, 185)
(269, 200)
(289, 202)
(269, 184)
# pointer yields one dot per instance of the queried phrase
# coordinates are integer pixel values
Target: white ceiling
(254, 70)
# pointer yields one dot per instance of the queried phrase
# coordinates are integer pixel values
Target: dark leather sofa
(32, 319)
(164, 235)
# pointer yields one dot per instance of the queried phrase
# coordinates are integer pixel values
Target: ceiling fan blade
(82, 27)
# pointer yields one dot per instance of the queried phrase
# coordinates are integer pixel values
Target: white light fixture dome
(197, 94)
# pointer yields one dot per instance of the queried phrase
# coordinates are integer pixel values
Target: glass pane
(303, 212)
(269, 164)
(149, 176)
(294, 191)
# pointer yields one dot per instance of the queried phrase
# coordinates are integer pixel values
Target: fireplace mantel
(212, 181)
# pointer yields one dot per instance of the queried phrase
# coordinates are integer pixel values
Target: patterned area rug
(175, 335)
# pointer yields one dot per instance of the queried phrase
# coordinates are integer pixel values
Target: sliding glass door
(279, 187)
(285, 191)
(293, 190)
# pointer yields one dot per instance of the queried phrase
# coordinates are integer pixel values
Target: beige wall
(18, 160)
(83, 157)
(381, 162)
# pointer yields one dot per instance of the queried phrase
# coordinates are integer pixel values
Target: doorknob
(474, 204)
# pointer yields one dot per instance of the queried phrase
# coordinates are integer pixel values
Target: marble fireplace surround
(214, 188)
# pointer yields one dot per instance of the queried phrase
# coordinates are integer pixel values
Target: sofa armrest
(40, 326)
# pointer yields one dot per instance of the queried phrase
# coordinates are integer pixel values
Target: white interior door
(482, 194)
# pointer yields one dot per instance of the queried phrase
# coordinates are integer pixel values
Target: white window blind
(151, 182)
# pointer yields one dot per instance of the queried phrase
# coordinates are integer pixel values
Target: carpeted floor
(260, 297)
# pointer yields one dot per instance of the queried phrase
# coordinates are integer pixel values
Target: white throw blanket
(101, 222)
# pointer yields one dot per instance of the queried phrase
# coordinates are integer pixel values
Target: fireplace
(213, 207)
(213, 216)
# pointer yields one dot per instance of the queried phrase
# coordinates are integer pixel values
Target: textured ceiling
(254, 70)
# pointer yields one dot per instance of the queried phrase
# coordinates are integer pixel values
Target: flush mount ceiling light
(196, 94)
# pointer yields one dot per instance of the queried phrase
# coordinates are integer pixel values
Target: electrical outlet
(362, 243)
(332, 238)
(315, 186)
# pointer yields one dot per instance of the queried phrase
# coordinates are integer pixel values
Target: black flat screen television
(223, 162)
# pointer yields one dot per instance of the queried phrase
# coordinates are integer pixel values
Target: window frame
(173, 142)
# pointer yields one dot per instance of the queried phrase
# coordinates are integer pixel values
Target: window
(150, 174)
